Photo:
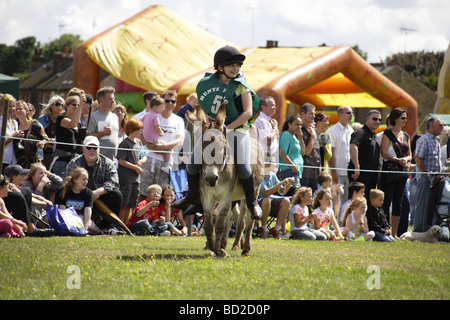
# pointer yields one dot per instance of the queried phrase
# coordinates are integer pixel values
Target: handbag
(393, 165)
(65, 222)
(19, 151)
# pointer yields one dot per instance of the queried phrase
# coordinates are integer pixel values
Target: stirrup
(193, 209)
(183, 203)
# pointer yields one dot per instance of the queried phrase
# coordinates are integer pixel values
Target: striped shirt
(264, 129)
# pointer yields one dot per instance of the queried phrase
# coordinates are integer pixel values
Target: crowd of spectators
(325, 182)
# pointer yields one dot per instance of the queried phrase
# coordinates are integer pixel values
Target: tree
(425, 66)
(17, 58)
(359, 51)
(65, 41)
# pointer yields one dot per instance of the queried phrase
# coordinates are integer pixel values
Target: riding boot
(192, 200)
(249, 190)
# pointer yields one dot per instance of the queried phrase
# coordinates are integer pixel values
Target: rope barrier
(189, 153)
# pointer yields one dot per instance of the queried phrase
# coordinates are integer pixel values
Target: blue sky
(374, 25)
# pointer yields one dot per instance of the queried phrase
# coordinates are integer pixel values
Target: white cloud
(372, 24)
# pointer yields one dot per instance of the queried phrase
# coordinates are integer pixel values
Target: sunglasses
(58, 104)
(376, 119)
(403, 118)
(170, 101)
(91, 148)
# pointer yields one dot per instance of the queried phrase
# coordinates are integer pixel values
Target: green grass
(128, 268)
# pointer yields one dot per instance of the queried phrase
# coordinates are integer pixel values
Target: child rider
(226, 84)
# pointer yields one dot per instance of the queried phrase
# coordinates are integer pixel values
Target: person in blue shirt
(274, 203)
(192, 101)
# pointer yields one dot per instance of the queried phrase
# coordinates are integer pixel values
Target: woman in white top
(12, 131)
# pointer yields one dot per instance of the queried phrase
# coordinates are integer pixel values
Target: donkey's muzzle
(212, 180)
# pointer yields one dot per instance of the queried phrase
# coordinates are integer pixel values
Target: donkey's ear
(221, 115)
(191, 116)
(201, 115)
(197, 114)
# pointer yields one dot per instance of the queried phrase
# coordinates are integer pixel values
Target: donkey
(220, 186)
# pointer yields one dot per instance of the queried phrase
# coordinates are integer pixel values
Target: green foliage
(65, 41)
(361, 52)
(425, 66)
(17, 58)
(177, 268)
(432, 80)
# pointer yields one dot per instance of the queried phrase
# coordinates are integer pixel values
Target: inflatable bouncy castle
(159, 50)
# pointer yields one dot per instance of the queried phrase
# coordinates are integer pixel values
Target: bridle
(226, 156)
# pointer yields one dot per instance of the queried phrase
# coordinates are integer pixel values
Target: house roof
(62, 81)
(40, 74)
(425, 97)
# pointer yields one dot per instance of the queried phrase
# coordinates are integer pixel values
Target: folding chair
(271, 220)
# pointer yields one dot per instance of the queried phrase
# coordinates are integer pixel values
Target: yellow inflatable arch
(443, 102)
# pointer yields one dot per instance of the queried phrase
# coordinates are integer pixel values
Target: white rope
(188, 153)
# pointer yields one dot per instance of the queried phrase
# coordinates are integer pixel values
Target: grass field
(173, 268)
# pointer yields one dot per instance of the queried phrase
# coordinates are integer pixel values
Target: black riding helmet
(227, 55)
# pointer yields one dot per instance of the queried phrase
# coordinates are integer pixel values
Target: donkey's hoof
(220, 254)
(245, 253)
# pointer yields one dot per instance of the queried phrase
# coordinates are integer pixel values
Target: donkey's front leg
(208, 221)
(222, 226)
(239, 213)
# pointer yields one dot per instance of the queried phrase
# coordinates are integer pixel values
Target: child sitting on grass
(9, 226)
(146, 218)
(325, 216)
(355, 222)
(170, 213)
(355, 190)
(300, 217)
(76, 195)
(376, 219)
(325, 181)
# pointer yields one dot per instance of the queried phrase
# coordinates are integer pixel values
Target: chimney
(272, 43)
(68, 57)
(38, 60)
(58, 63)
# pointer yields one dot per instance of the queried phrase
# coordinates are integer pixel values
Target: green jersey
(212, 93)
